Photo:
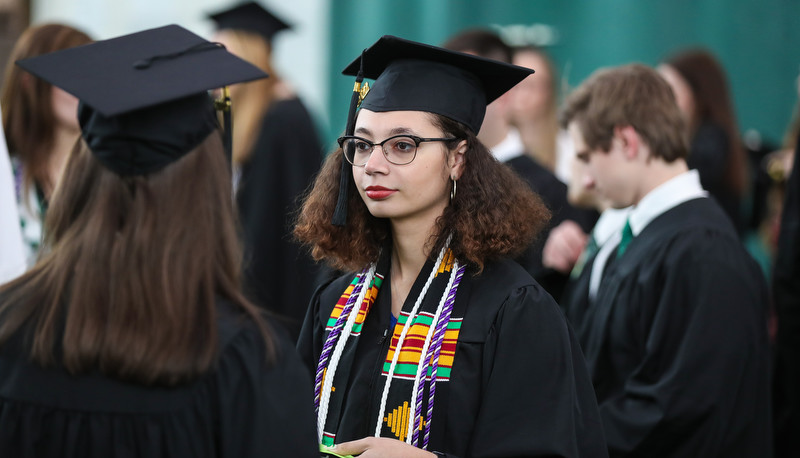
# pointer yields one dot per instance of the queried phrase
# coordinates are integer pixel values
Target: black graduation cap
(412, 76)
(251, 17)
(143, 97)
(415, 76)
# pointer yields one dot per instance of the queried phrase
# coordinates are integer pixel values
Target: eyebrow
(364, 131)
(400, 130)
(392, 133)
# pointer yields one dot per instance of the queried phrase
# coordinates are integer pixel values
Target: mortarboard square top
(141, 69)
(419, 77)
(251, 17)
(143, 97)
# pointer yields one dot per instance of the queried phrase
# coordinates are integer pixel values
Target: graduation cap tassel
(340, 213)
(224, 104)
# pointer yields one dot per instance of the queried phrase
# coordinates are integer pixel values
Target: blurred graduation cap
(251, 17)
(143, 97)
(412, 76)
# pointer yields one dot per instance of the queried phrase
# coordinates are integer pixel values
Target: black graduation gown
(786, 293)
(708, 154)
(243, 408)
(279, 274)
(575, 300)
(554, 195)
(677, 342)
(518, 386)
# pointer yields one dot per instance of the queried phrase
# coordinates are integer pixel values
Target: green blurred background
(757, 42)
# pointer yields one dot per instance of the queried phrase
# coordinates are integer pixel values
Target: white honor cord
(330, 372)
(422, 368)
(402, 338)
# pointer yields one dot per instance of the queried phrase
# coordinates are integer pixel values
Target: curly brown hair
(493, 215)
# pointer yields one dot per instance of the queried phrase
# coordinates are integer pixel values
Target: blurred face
(611, 174)
(419, 190)
(581, 191)
(681, 89)
(65, 109)
(532, 98)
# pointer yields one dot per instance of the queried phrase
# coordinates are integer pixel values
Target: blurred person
(716, 151)
(276, 152)
(534, 112)
(583, 256)
(786, 297)
(41, 126)
(12, 261)
(506, 145)
(131, 336)
(676, 339)
(417, 204)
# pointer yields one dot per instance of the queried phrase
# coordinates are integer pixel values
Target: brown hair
(28, 118)
(251, 100)
(493, 215)
(706, 78)
(630, 95)
(133, 283)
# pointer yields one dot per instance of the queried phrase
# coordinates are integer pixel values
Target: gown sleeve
(265, 407)
(703, 342)
(538, 398)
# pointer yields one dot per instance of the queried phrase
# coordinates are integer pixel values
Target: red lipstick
(378, 192)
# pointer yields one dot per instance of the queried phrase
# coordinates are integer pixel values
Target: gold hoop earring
(453, 191)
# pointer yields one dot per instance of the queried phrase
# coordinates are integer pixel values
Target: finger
(353, 447)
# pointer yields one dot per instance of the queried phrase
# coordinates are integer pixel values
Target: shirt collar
(666, 196)
(510, 147)
(609, 223)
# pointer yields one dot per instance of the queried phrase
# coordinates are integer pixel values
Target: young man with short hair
(676, 340)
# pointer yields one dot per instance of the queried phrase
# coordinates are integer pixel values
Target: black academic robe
(554, 195)
(786, 293)
(708, 154)
(518, 386)
(279, 274)
(575, 300)
(677, 342)
(245, 407)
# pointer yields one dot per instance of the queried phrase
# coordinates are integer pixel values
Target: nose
(588, 181)
(377, 162)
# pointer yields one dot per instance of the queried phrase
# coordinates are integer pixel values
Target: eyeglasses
(399, 150)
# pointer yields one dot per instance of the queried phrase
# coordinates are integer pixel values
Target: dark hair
(630, 95)
(706, 79)
(28, 119)
(493, 215)
(132, 270)
(482, 42)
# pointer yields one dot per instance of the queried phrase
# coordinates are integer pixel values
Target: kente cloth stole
(407, 404)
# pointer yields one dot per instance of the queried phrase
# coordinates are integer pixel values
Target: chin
(380, 210)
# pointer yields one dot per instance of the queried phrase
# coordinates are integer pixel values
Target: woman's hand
(381, 447)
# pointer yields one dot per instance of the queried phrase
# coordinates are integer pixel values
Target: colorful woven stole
(409, 381)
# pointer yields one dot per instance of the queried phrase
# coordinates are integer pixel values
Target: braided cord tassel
(401, 339)
(422, 369)
(437, 346)
(334, 334)
(339, 341)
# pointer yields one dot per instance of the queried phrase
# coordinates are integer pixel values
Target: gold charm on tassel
(223, 103)
(363, 90)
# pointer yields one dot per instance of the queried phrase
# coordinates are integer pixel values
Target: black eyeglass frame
(417, 141)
